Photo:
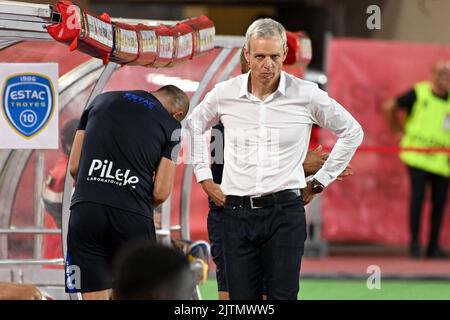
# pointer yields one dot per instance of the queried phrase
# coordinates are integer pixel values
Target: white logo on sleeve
(103, 171)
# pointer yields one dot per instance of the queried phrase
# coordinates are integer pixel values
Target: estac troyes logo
(28, 103)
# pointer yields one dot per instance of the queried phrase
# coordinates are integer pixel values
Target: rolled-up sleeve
(204, 116)
(328, 113)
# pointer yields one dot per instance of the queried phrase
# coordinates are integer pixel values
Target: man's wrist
(316, 185)
(203, 174)
(206, 183)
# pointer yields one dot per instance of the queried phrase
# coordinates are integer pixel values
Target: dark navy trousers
(267, 241)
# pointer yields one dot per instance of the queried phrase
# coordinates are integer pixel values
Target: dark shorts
(96, 233)
(215, 238)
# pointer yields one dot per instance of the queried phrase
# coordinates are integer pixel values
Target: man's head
(174, 100)
(440, 74)
(265, 49)
(68, 134)
(147, 271)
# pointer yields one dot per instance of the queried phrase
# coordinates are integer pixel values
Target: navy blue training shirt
(126, 134)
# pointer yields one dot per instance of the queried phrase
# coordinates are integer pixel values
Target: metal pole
(15, 262)
(235, 60)
(322, 244)
(9, 180)
(165, 230)
(38, 209)
(208, 77)
(30, 231)
(326, 46)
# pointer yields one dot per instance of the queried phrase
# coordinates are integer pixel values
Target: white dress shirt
(266, 141)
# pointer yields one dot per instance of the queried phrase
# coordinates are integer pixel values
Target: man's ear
(179, 115)
(247, 54)
(285, 53)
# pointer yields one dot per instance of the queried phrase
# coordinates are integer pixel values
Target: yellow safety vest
(428, 125)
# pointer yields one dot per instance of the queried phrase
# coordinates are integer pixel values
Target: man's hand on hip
(214, 192)
(308, 194)
(314, 161)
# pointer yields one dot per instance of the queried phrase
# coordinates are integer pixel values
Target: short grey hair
(264, 28)
(178, 97)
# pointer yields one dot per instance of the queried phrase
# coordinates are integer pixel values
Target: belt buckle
(251, 201)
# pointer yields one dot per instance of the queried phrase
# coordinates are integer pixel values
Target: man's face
(265, 57)
(441, 75)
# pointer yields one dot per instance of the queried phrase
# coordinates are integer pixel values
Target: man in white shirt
(267, 115)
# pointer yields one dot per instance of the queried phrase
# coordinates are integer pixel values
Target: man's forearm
(340, 156)
(206, 184)
(213, 191)
(199, 151)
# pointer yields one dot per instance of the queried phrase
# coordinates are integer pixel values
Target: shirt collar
(244, 91)
(244, 85)
(282, 85)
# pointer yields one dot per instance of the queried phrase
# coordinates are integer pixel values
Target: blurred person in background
(145, 270)
(421, 119)
(52, 195)
(54, 185)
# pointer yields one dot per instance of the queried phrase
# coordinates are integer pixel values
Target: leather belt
(262, 201)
